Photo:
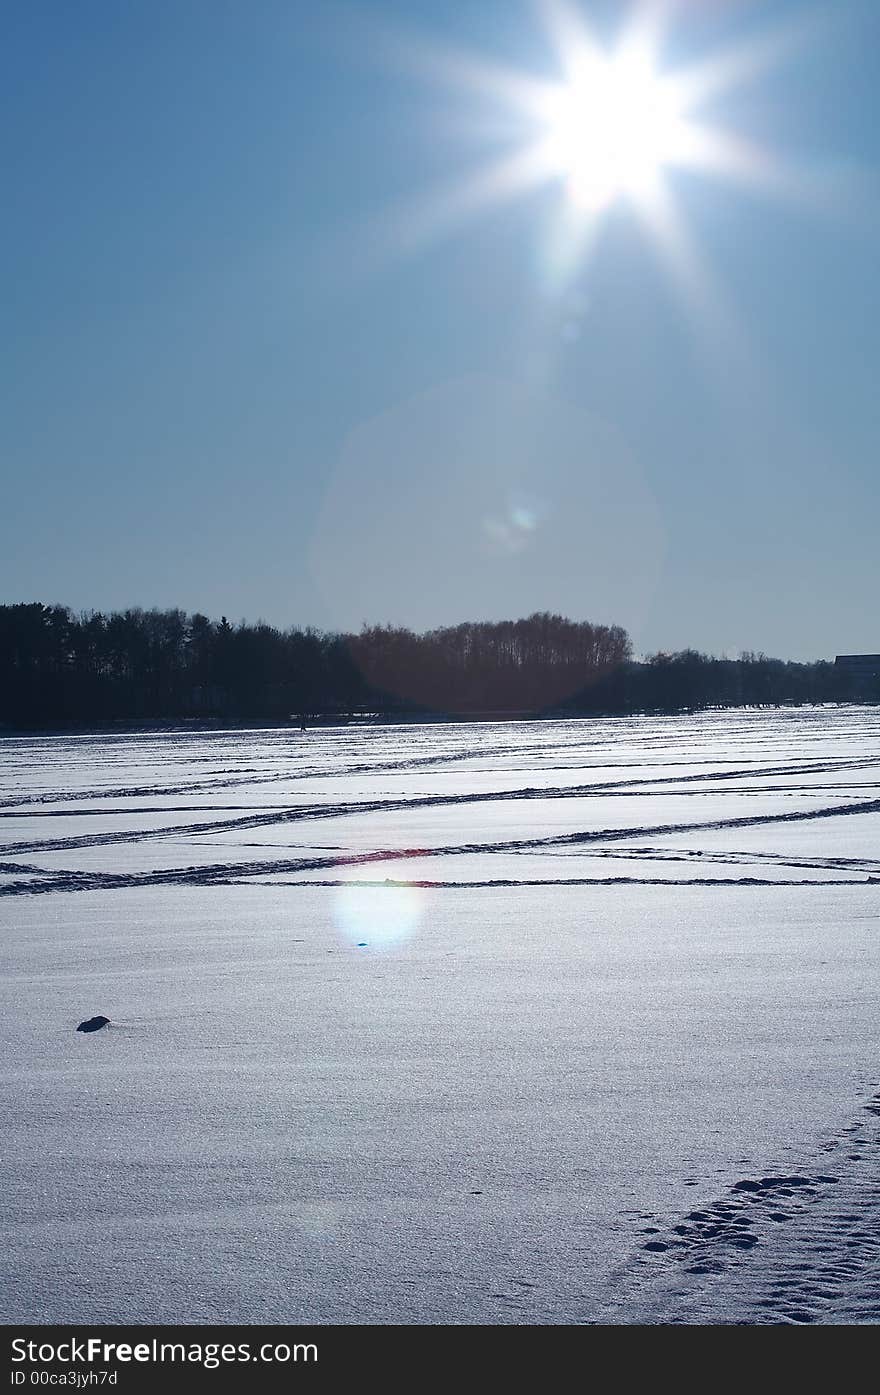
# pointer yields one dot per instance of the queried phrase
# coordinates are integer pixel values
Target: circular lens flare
(377, 916)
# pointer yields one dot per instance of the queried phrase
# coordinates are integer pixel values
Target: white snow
(444, 1023)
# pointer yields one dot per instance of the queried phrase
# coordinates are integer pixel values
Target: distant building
(863, 670)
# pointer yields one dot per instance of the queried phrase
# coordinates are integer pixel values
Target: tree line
(62, 669)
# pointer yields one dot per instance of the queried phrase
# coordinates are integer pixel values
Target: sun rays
(609, 129)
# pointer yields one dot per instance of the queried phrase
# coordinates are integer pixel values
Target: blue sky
(236, 380)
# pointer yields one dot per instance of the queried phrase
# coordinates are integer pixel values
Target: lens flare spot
(523, 519)
(375, 917)
(513, 530)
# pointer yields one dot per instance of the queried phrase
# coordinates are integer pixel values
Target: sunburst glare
(612, 128)
(608, 130)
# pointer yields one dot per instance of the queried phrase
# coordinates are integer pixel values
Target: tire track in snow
(218, 873)
(309, 812)
(16, 802)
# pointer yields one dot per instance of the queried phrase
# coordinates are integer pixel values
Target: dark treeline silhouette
(62, 669)
(510, 665)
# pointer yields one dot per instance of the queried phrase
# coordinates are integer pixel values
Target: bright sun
(612, 128)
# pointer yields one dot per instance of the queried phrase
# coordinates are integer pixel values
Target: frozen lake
(557, 1022)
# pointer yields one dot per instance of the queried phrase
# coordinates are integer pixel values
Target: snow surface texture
(560, 1022)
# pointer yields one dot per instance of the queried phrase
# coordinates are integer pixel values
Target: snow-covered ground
(553, 1022)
